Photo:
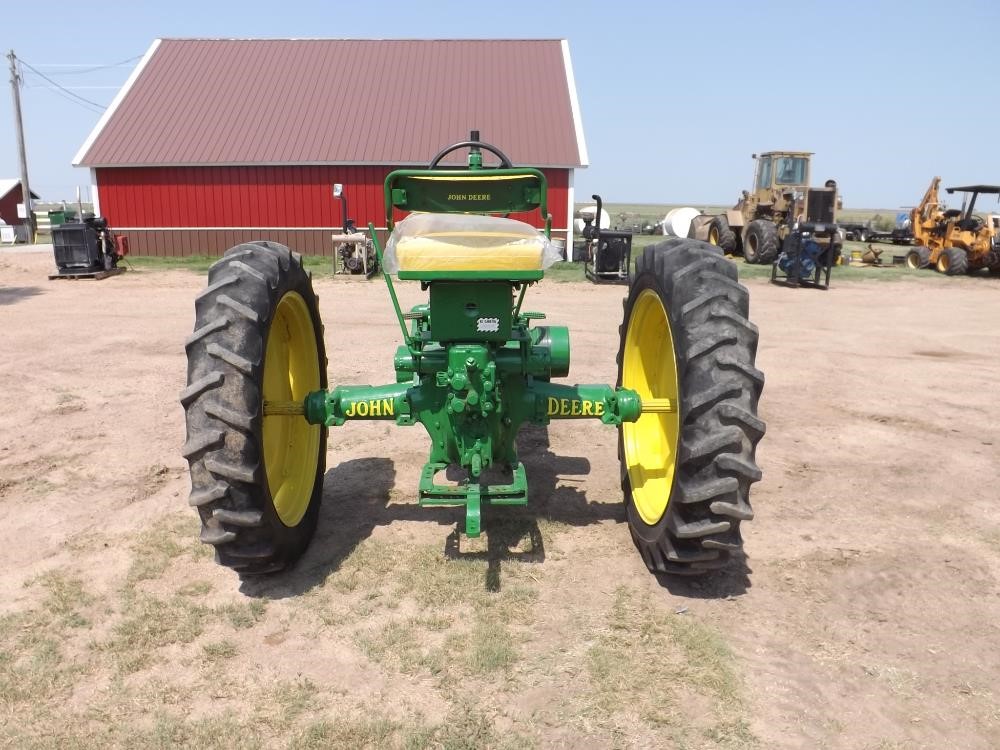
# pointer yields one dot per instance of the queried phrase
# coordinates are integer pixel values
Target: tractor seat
(466, 243)
(972, 224)
(951, 213)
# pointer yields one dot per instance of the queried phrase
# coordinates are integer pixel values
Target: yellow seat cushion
(470, 251)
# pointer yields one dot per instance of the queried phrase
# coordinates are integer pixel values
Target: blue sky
(674, 97)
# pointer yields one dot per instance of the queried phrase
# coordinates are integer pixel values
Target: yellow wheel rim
(649, 367)
(944, 263)
(912, 261)
(291, 445)
(713, 236)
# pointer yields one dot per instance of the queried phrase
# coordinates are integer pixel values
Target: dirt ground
(865, 616)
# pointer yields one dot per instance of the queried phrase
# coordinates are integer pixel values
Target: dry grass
(656, 665)
(457, 632)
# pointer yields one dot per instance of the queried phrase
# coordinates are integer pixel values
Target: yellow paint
(649, 366)
(291, 444)
(468, 197)
(932, 229)
(466, 251)
(571, 407)
(371, 408)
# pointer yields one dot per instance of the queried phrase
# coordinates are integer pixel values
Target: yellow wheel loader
(762, 218)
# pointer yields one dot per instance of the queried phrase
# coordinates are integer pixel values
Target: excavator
(955, 240)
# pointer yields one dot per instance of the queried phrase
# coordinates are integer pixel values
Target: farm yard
(865, 614)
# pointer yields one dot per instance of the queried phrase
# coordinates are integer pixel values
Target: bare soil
(864, 616)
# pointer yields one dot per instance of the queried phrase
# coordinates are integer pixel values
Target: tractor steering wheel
(504, 160)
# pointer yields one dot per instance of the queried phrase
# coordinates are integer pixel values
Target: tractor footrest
(472, 495)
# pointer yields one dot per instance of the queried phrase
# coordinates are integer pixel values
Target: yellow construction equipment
(956, 240)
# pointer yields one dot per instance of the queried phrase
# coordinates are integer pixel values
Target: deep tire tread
(210, 291)
(702, 402)
(709, 344)
(715, 346)
(216, 535)
(209, 494)
(213, 380)
(201, 442)
(233, 418)
(766, 234)
(209, 328)
(230, 357)
(727, 237)
(222, 405)
(239, 308)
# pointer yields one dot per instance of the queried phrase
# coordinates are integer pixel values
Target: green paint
(471, 369)
(472, 397)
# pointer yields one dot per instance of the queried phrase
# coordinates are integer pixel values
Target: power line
(86, 68)
(57, 91)
(100, 107)
(73, 88)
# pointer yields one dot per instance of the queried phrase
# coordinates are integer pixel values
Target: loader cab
(782, 169)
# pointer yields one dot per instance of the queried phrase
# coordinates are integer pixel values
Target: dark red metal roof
(335, 101)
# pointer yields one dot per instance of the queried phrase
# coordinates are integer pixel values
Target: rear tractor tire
(256, 481)
(761, 244)
(953, 262)
(918, 257)
(686, 475)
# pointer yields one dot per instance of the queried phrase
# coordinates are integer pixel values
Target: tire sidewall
(226, 361)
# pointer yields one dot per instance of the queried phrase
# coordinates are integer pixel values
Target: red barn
(212, 142)
(11, 193)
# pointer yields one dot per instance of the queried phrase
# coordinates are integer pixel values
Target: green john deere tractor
(472, 369)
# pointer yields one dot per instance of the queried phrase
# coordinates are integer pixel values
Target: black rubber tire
(760, 245)
(726, 236)
(715, 345)
(918, 257)
(222, 407)
(953, 261)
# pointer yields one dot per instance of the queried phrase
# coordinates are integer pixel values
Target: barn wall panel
(174, 199)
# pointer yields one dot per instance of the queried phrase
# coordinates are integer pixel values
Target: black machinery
(87, 249)
(812, 246)
(354, 251)
(803, 261)
(607, 252)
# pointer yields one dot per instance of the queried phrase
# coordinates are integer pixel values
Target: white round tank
(677, 222)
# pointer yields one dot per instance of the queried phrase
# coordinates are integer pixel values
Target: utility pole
(15, 87)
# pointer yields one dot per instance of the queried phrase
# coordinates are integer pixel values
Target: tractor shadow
(10, 295)
(357, 499)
